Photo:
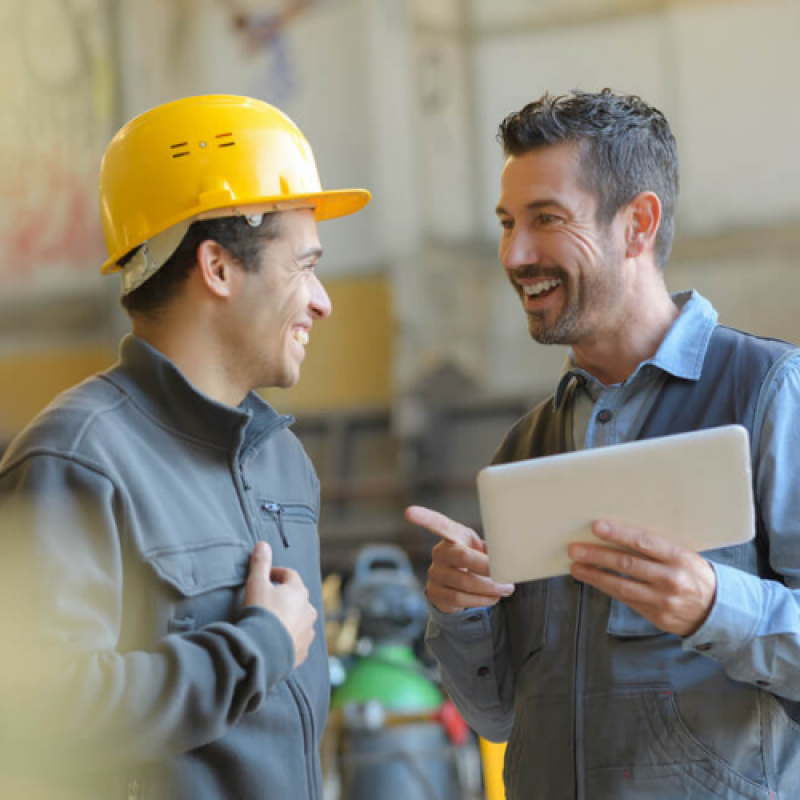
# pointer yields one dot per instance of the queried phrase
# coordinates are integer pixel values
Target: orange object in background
(492, 756)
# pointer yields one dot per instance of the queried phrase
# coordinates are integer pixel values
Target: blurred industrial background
(426, 360)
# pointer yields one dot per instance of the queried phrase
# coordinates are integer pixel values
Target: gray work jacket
(136, 503)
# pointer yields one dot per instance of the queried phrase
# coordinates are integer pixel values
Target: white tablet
(692, 488)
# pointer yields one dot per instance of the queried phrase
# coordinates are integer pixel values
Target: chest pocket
(200, 584)
(294, 522)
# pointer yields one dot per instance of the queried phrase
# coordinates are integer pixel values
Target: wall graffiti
(265, 32)
(56, 81)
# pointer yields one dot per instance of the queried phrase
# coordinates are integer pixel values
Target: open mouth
(541, 289)
(300, 335)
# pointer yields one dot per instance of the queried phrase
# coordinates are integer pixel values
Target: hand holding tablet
(693, 489)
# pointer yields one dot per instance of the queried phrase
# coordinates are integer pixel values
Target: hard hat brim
(328, 204)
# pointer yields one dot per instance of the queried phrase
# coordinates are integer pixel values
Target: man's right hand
(458, 577)
(281, 590)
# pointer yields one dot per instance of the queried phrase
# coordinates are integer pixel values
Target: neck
(614, 355)
(186, 341)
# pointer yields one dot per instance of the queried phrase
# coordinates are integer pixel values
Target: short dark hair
(243, 241)
(626, 147)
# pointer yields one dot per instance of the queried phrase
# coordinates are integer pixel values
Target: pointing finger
(444, 527)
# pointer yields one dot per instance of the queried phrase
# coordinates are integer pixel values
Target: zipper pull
(275, 510)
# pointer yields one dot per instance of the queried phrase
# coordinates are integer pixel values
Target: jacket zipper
(245, 484)
(307, 726)
(240, 460)
(290, 510)
(275, 510)
(577, 701)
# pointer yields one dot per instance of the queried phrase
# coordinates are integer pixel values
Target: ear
(215, 268)
(644, 217)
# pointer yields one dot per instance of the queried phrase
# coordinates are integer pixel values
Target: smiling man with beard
(160, 579)
(651, 671)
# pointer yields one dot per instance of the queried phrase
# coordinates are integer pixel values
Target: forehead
(297, 226)
(544, 175)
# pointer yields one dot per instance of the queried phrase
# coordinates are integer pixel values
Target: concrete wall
(77, 77)
(723, 72)
(404, 97)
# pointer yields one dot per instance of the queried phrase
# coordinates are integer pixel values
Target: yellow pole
(492, 755)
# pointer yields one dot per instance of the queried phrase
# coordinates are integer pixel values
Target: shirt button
(703, 647)
(483, 672)
(605, 416)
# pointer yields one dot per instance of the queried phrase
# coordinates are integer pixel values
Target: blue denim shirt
(753, 629)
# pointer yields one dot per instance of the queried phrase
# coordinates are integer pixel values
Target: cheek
(586, 247)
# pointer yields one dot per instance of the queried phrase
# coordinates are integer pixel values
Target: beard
(585, 299)
(563, 329)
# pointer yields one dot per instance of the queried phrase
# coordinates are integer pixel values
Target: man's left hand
(671, 587)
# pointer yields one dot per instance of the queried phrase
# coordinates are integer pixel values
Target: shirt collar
(161, 390)
(681, 352)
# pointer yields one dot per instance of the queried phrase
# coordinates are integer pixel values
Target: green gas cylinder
(391, 676)
(392, 743)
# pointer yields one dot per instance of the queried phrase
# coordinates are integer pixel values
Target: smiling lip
(536, 292)
(300, 335)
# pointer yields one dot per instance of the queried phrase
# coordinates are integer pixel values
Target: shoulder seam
(92, 417)
(72, 457)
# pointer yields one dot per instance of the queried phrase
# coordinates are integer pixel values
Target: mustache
(534, 272)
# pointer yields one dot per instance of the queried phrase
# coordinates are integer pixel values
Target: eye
(506, 224)
(547, 219)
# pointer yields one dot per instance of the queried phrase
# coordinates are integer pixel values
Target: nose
(319, 304)
(518, 249)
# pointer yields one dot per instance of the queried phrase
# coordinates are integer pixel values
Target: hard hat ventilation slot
(225, 136)
(178, 147)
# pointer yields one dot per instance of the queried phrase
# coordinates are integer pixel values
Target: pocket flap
(193, 571)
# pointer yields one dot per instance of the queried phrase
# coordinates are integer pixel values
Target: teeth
(301, 336)
(537, 288)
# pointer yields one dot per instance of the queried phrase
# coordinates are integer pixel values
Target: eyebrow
(312, 252)
(534, 206)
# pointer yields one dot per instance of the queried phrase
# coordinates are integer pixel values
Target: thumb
(261, 559)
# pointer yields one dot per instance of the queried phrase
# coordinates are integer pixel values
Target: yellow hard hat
(208, 156)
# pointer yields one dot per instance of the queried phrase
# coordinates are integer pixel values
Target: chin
(290, 378)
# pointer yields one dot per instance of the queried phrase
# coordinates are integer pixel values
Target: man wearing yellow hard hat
(166, 517)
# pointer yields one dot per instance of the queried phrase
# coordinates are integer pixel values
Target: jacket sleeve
(68, 687)
(471, 649)
(753, 629)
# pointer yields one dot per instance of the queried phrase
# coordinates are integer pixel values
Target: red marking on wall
(50, 219)
(259, 31)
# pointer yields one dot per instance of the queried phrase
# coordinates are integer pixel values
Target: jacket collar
(162, 391)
